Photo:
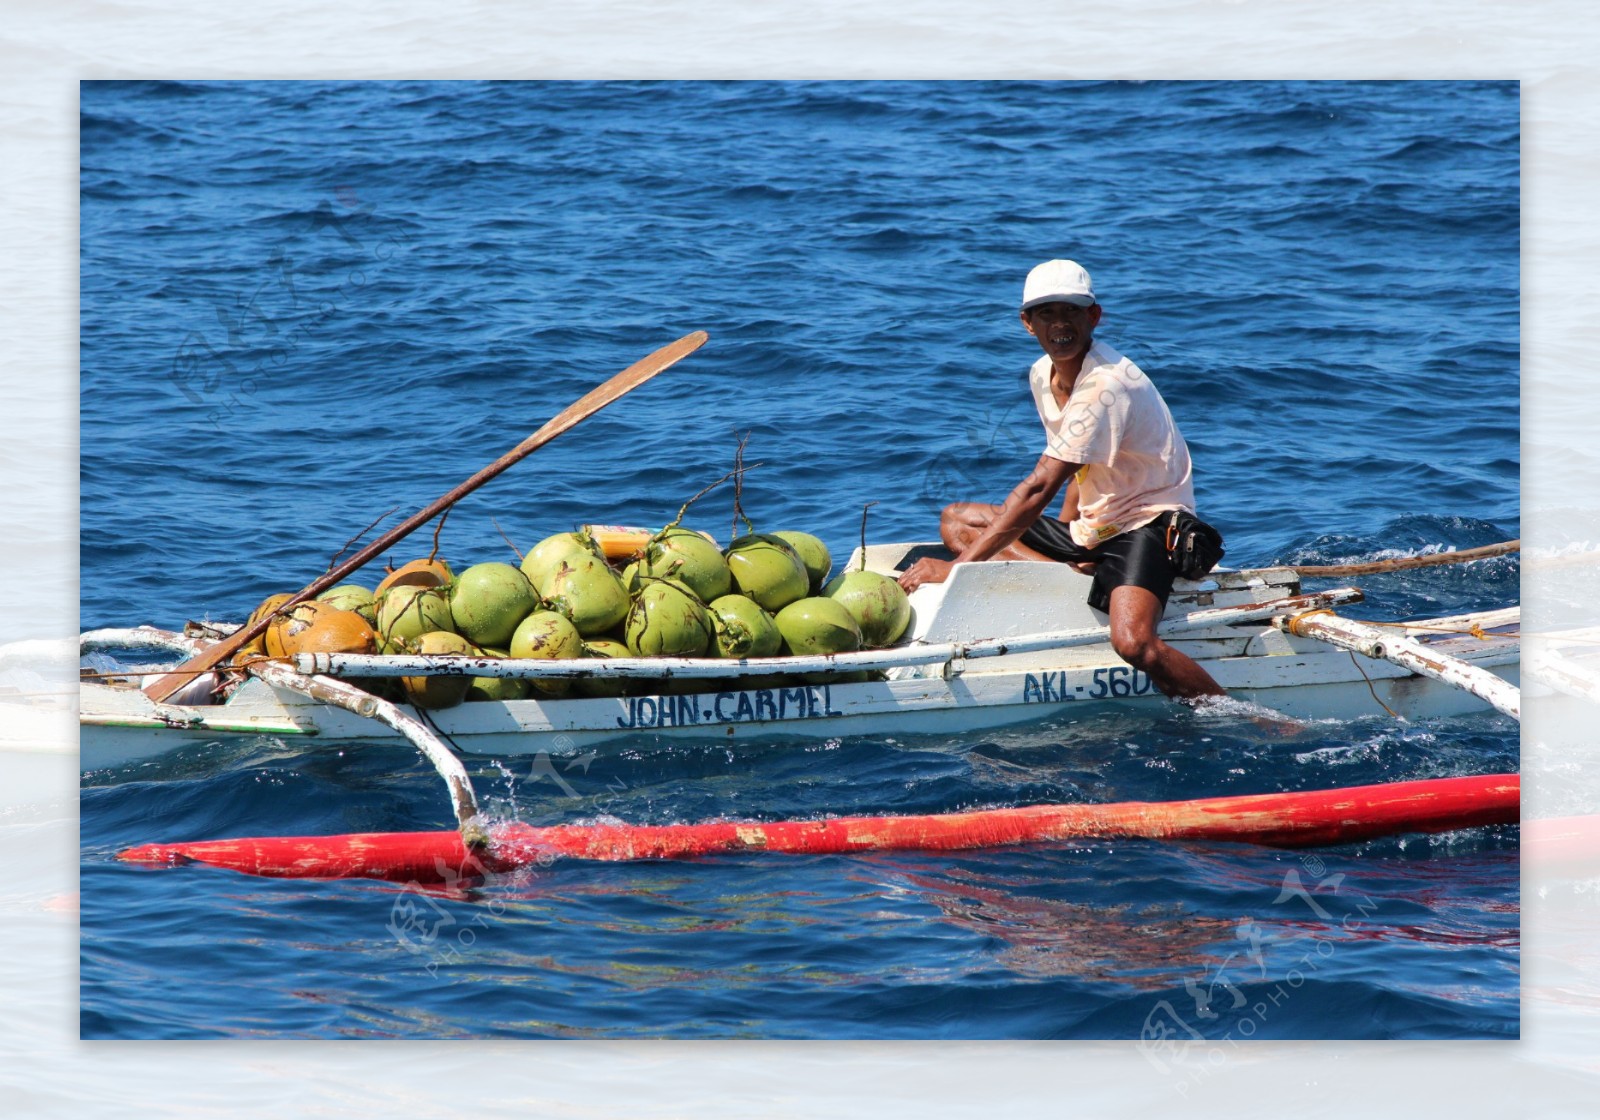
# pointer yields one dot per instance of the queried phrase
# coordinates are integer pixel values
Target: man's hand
(926, 570)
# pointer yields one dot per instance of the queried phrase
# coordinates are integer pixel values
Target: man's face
(1064, 330)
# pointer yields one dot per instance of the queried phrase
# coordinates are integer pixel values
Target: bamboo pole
(435, 665)
(1401, 563)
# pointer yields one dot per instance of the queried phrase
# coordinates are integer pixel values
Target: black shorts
(1138, 557)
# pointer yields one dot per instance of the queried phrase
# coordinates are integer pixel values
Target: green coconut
(818, 625)
(685, 555)
(352, 597)
(813, 554)
(587, 592)
(767, 569)
(488, 600)
(667, 620)
(407, 611)
(876, 602)
(604, 686)
(439, 692)
(547, 635)
(496, 688)
(743, 629)
(545, 557)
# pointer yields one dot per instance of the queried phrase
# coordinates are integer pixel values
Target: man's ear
(1027, 323)
(1094, 316)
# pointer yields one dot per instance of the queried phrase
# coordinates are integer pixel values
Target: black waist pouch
(1193, 546)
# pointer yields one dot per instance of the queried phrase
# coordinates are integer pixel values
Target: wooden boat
(998, 643)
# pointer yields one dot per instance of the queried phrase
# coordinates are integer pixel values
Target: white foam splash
(1212, 710)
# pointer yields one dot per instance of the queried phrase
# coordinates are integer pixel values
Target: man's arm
(1022, 507)
(1069, 504)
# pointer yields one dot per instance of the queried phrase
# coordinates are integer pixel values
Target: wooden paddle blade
(162, 687)
(597, 398)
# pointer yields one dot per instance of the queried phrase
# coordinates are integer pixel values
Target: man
(1111, 441)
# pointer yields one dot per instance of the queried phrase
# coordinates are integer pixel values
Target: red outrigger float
(1288, 820)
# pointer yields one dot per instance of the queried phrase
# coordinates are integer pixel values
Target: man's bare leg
(961, 522)
(1134, 614)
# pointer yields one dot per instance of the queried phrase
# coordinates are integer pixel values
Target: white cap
(1058, 282)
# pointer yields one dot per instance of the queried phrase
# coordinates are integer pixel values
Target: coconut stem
(344, 548)
(507, 539)
(738, 490)
(734, 474)
(864, 509)
(437, 529)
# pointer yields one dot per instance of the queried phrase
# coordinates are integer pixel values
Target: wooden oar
(587, 405)
(1400, 563)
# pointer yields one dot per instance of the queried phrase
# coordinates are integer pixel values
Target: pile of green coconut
(765, 595)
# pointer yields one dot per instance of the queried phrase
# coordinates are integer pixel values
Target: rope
(427, 719)
(1294, 627)
(1370, 689)
(1296, 620)
(129, 674)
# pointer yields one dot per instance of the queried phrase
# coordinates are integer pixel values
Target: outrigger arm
(1408, 653)
(462, 798)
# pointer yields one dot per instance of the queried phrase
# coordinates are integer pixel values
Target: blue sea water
(306, 304)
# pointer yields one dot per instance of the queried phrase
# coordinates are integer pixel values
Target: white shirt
(1135, 463)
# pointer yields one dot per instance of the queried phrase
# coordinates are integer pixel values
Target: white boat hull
(1314, 685)
(1299, 677)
